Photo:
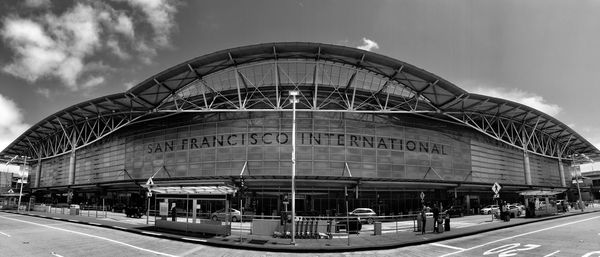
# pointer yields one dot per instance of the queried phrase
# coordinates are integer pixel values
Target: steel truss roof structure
(329, 78)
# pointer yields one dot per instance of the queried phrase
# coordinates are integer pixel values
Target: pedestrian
(173, 212)
(436, 216)
(423, 217)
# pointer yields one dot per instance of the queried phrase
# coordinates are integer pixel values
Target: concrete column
(526, 167)
(38, 172)
(72, 160)
(194, 213)
(561, 172)
(72, 168)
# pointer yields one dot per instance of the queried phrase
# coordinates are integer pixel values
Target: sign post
(496, 189)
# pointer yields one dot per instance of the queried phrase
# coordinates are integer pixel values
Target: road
(32, 236)
(570, 236)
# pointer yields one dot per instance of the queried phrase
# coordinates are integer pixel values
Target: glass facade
(327, 145)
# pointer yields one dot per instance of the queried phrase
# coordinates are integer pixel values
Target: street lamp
(21, 190)
(294, 101)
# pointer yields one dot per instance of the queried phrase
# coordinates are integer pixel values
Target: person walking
(423, 218)
(436, 216)
(173, 212)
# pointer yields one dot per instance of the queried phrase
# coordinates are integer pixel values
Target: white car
(489, 209)
(364, 213)
(234, 215)
(514, 211)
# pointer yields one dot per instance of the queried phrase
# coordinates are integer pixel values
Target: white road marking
(520, 235)
(448, 246)
(194, 239)
(94, 236)
(119, 227)
(192, 251)
(151, 233)
(5, 234)
(55, 254)
(552, 253)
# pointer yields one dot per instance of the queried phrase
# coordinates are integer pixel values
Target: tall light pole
(21, 191)
(577, 176)
(294, 101)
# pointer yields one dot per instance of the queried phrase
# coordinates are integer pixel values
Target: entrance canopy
(199, 190)
(542, 192)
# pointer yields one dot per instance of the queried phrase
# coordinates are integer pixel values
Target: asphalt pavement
(394, 234)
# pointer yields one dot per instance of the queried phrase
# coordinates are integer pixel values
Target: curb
(289, 248)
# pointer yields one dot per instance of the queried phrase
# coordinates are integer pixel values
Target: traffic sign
(10, 191)
(496, 188)
(422, 195)
(149, 194)
(497, 196)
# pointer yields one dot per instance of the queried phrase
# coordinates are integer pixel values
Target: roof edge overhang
(131, 103)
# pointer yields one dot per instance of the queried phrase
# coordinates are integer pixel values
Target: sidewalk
(460, 227)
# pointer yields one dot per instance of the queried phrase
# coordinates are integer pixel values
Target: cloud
(38, 3)
(368, 45)
(514, 94)
(92, 82)
(11, 124)
(128, 85)
(62, 46)
(116, 49)
(160, 14)
(43, 91)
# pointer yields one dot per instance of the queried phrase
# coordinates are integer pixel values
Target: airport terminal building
(379, 129)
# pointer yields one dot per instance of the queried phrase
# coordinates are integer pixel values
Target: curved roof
(329, 78)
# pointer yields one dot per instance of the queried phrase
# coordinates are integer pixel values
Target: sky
(542, 53)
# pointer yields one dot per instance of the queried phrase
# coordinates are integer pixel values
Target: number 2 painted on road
(507, 250)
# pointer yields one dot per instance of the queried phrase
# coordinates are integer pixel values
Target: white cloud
(514, 94)
(124, 25)
(92, 82)
(116, 49)
(52, 46)
(128, 85)
(11, 123)
(160, 14)
(368, 45)
(43, 91)
(63, 45)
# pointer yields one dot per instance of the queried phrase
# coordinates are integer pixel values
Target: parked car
(513, 210)
(365, 214)
(489, 209)
(455, 211)
(234, 214)
(520, 206)
(134, 212)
